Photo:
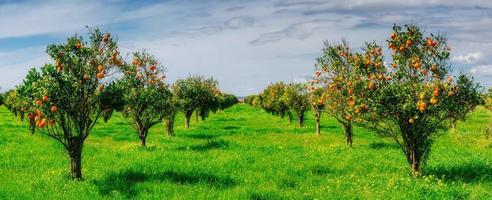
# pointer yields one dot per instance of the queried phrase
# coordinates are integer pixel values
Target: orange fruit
(393, 36)
(101, 88)
(372, 85)
(100, 68)
(433, 101)
(100, 75)
(54, 109)
(45, 98)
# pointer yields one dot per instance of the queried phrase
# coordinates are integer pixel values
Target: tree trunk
(300, 119)
(142, 134)
(187, 118)
(170, 124)
(415, 161)
(75, 152)
(32, 126)
(290, 118)
(196, 116)
(318, 123)
(453, 126)
(348, 133)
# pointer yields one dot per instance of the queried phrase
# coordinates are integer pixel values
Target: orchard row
(90, 80)
(412, 100)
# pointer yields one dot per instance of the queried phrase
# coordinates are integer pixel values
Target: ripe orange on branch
(54, 109)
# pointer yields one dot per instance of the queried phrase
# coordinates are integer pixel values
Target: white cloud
(482, 70)
(215, 38)
(470, 58)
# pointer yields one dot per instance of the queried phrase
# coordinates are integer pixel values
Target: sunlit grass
(243, 153)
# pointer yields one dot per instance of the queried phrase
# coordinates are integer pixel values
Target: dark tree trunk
(170, 124)
(347, 127)
(187, 118)
(317, 117)
(414, 160)
(290, 118)
(196, 116)
(32, 126)
(300, 119)
(142, 134)
(75, 152)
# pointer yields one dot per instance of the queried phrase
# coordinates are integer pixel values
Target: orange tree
(25, 93)
(295, 97)
(146, 95)
(169, 119)
(271, 101)
(317, 101)
(13, 104)
(226, 101)
(196, 94)
(210, 101)
(345, 77)
(71, 95)
(414, 106)
(488, 99)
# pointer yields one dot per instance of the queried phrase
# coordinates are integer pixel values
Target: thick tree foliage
(296, 97)
(72, 95)
(146, 96)
(341, 73)
(421, 98)
(196, 94)
(271, 100)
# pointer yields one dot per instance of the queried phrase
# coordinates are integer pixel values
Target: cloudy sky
(243, 44)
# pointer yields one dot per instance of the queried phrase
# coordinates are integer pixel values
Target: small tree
(14, 104)
(196, 94)
(317, 100)
(249, 99)
(209, 101)
(488, 99)
(227, 101)
(174, 107)
(271, 100)
(71, 96)
(414, 106)
(146, 95)
(339, 73)
(296, 98)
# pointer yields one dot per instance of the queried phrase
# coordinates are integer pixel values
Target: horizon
(245, 45)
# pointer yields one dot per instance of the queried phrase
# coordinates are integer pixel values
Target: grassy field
(243, 153)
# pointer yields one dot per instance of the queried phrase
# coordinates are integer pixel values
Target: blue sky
(244, 44)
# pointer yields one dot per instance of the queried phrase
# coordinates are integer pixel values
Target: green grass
(243, 153)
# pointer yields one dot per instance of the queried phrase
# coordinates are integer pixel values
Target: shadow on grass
(321, 170)
(209, 145)
(382, 145)
(264, 195)
(125, 182)
(466, 172)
